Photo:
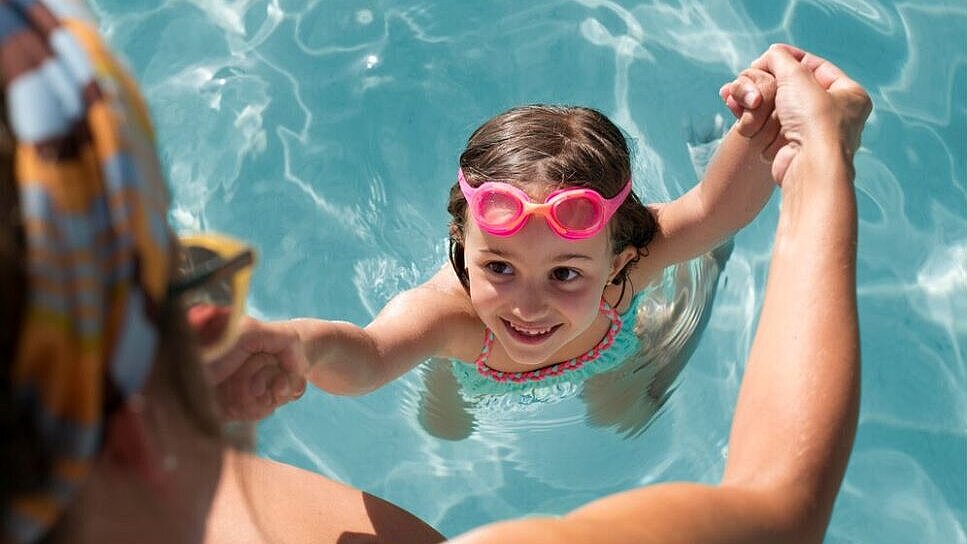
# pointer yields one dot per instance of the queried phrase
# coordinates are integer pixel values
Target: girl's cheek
(483, 294)
(581, 302)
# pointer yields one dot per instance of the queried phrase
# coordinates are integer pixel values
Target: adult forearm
(797, 409)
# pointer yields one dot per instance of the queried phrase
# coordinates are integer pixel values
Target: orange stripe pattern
(99, 251)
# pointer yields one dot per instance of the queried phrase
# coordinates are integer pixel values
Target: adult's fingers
(262, 381)
(771, 138)
(242, 380)
(249, 409)
(226, 365)
(777, 143)
(286, 388)
(853, 101)
(827, 74)
(784, 157)
(783, 61)
(240, 391)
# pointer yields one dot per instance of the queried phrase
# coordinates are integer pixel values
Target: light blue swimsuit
(625, 344)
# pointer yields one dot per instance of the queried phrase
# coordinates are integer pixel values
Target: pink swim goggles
(574, 213)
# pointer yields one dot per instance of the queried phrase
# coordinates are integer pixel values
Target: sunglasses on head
(213, 281)
(574, 213)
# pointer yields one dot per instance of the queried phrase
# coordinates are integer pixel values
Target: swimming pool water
(327, 133)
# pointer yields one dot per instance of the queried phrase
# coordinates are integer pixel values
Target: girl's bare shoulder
(445, 305)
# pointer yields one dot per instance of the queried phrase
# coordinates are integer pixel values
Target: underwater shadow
(669, 326)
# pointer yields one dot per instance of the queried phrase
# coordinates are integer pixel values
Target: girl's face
(535, 290)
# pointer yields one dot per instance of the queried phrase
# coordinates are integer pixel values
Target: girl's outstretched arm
(346, 359)
(797, 408)
(736, 184)
(271, 361)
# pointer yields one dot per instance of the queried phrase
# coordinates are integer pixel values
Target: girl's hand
(751, 99)
(264, 369)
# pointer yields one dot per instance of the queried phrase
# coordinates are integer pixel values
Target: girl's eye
(499, 267)
(565, 274)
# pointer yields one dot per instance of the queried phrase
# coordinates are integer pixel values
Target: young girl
(550, 249)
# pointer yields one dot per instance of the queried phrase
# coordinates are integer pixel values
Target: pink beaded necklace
(556, 369)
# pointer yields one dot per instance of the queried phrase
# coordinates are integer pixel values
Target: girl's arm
(346, 359)
(736, 185)
(270, 362)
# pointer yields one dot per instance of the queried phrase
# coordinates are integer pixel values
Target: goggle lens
(576, 214)
(498, 208)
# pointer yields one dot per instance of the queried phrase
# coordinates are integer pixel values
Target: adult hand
(816, 104)
(263, 370)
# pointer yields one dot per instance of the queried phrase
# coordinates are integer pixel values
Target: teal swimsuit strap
(473, 383)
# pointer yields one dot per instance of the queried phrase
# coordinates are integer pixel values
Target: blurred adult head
(86, 261)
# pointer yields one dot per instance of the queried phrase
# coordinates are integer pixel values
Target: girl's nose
(529, 305)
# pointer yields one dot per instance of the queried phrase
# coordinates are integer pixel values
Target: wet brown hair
(544, 148)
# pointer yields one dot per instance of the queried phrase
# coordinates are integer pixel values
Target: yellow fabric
(99, 252)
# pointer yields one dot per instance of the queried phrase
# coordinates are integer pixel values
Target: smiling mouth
(529, 335)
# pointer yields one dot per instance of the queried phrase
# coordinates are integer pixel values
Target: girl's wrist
(302, 336)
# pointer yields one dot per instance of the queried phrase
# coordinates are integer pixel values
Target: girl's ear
(621, 260)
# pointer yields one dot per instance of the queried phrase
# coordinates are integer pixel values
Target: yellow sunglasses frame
(236, 259)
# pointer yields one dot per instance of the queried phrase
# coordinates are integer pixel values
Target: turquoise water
(328, 132)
